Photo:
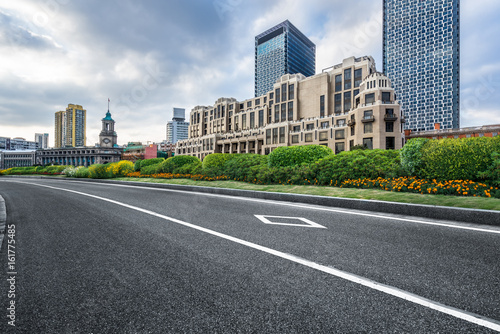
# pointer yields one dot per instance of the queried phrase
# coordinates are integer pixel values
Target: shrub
(295, 155)
(458, 159)
(191, 168)
(213, 163)
(121, 168)
(149, 162)
(169, 165)
(137, 165)
(69, 171)
(82, 172)
(357, 164)
(411, 156)
(99, 171)
(240, 166)
(492, 174)
(150, 169)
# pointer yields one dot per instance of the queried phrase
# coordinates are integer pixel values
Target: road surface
(80, 257)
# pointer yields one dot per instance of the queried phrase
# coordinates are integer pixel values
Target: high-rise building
(70, 127)
(42, 139)
(177, 128)
(421, 57)
(283, 49)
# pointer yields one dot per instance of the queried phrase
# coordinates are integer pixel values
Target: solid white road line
(457, 313)
(306, 206)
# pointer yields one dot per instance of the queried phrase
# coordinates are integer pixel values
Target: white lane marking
(455, 312)
(305, 222)
(304, 206)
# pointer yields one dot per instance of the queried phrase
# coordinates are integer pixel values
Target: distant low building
(18, 158)
(17, 143)
(134, 151)
(438, 133)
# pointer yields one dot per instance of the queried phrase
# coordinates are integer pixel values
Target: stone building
(346, 105)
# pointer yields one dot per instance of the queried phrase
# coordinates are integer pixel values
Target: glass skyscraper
(421, 57)
(281, 50)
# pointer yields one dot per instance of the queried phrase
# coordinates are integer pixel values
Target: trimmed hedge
(411, 156)
(295, 155)
(458, 159)
(137, 165)
(216, 161)
(99, 171)
(172, 163)
(82, 172)
(244, 167)
(149, 162)
(121, 168)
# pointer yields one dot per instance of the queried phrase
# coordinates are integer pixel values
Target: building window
(269, 116)
(340, 134)
(338, 103)
(368, 114)
(352, 131)
(310, 126)
(295, 139)
(283, 92)
(322, 106)
(389, 127)
(308, 137)
(390, 143)
(252, 120)
(271, 96)
(323, 136)
(386, 97)
(257, 102)
(244, 121)
(249, 104)
(282, 135)
(325, 125)
(357, 77)
(338, 83)
(347, 101)
(341, 122)
(370, 99)
(268, 137)
(275, 135)
(368, 127)
(277, 113)
(291, 92)
(231, 106)
(351, 144)
(347, 79)
(339, 147)
(368, 143)
(261, 118)
(290, 110)
(277, 95)
(283, 112)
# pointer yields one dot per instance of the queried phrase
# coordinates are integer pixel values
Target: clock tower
(107, 137)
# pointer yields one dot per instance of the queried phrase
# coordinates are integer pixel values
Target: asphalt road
(100, 258)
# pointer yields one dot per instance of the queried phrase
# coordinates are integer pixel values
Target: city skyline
(148, 58)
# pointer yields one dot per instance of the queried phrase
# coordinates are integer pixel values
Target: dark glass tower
(422, 58)
(281, 50)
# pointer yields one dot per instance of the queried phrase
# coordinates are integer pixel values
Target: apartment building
(346, 105)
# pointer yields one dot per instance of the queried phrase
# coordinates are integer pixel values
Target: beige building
(70, 127)
(346, 105)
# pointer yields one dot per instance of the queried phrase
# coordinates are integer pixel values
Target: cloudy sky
(150, 56)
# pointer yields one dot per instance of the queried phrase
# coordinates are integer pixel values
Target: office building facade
(70, 127)
(177, 128)
(42, 139)
(349, 105)
(421, 55)
(283, 49)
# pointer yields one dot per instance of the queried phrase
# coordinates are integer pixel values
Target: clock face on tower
(106, 141)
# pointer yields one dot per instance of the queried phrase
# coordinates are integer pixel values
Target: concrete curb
(475, 216)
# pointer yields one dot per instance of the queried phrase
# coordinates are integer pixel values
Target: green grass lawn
(441, 200)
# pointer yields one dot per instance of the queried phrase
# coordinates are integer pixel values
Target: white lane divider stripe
(455, 312)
